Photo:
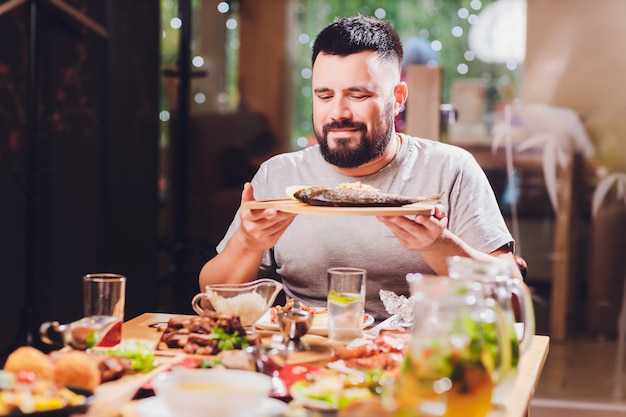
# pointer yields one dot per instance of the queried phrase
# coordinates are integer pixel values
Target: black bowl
(65, 411)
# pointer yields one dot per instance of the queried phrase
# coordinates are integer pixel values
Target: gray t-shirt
(312, 244)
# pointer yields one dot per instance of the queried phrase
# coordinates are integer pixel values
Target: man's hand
(429, 236)
(420, 233)
(239, 261)
(261, 228)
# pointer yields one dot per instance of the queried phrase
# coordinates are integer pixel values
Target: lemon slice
(345, 299)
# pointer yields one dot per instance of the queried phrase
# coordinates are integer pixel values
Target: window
(433, 32)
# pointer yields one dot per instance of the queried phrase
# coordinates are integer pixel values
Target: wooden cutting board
(147, 328)
(293, 206)
(318, 352)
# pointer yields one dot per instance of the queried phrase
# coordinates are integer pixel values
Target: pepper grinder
(294, 324)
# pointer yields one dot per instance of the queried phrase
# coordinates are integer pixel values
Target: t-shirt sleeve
(474, 214)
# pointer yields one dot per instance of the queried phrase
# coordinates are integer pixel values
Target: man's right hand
(240, 260)
(261, 228)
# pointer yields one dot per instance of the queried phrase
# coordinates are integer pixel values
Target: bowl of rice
(249, 300)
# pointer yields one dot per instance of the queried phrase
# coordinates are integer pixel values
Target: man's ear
(401, 93)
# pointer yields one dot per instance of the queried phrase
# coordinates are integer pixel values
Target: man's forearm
(235, 264)
(449, 245)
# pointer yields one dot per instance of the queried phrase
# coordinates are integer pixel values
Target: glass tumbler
(346, 303)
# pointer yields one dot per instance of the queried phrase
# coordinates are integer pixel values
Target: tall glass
(104, 296)
(346, 303)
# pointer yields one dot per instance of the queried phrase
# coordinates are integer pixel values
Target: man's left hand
(420, 233)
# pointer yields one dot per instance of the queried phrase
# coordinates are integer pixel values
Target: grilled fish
(355, 195)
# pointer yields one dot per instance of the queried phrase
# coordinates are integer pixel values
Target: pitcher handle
(527, 313)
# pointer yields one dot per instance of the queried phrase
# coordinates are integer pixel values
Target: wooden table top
(517, 403)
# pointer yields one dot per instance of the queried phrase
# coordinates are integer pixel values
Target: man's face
(353, 107)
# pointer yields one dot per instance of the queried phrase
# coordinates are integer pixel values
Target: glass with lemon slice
(346, 303)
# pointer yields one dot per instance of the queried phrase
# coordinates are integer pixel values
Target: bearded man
(357, 93)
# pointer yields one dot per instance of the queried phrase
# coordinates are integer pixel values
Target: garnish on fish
(353, 195)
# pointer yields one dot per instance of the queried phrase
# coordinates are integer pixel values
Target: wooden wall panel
(264, 63)
(424, 100)
(96, 134)
(574, 60)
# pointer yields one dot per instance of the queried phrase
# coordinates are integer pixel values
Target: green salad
(140, 354)
(331, 390)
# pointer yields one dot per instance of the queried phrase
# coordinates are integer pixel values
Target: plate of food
(329, 389)
(207, 335)
(320, 319)
(348, 199)
(31, 384)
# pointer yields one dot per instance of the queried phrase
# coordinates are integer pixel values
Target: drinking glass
(346, 303)
(104, 294)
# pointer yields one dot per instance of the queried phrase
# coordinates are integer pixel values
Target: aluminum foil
(400, 307)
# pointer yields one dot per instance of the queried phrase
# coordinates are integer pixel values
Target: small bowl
(212, 392)
(249, 300)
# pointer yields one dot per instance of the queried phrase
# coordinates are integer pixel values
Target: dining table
(119, 396)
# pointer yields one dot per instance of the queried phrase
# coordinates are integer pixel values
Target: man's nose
(340, 110)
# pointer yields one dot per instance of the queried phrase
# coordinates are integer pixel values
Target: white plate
(320, 328)
(311, 403)
(346, 394)
(387, 324)
(155, 407)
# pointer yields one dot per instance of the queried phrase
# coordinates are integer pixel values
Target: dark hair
(350, 35)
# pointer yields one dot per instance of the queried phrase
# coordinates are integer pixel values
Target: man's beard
(370, 145)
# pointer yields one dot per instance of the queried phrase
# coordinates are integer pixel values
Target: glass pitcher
(497, 283)
(458, 351)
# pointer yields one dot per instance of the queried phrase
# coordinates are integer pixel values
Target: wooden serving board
(318, 352)
(148, 327)
(293, 206)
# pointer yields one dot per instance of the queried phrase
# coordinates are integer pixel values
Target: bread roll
(77, 369)
(28, 358)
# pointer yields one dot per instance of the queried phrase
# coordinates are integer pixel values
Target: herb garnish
(228, 341)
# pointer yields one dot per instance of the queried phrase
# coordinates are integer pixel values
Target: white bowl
(215, 392)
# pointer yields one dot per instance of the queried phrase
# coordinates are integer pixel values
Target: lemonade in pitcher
(458, 343)
(449, 381)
